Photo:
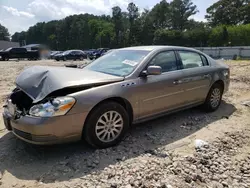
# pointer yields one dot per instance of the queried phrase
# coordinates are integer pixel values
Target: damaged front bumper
(45, 131)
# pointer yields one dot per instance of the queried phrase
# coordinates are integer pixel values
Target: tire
(92, 127)
(214, 97)
(64, 59)
(81, 58)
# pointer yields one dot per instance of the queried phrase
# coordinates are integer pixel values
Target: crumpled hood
(40, 81)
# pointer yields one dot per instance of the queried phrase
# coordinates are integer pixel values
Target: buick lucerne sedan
(99, 102)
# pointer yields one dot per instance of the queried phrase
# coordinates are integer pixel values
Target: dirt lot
(159, 153)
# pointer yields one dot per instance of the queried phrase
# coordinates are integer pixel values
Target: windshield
(118, 62)
(8, 49)
(66, 52)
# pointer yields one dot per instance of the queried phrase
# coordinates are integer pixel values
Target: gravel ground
(159, 153)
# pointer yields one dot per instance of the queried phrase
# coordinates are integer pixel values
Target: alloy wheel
(215, 97)
(109, 126)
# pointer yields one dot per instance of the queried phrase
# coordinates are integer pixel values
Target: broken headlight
(54, 107)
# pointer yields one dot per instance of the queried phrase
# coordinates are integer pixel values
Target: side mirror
(152, 70)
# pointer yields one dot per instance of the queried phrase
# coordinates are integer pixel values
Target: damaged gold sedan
(99, 102)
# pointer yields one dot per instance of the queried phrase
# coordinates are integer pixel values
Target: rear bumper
(46, 131)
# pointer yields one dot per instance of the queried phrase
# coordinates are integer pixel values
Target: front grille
(22, 134)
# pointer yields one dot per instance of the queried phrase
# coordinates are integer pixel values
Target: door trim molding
(162, 96)
(198, 87)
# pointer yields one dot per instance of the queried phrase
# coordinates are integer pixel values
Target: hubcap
(215, 97)
(109, 126)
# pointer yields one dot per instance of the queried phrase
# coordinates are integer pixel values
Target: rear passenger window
(166, 60)
(204, 60)
(18, 50)
(190, 59)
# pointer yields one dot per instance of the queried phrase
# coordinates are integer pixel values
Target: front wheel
(106, 125)
(214, 97)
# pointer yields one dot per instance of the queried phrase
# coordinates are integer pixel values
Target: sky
(19, 15)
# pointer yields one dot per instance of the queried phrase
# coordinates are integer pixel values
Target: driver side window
(166, 60)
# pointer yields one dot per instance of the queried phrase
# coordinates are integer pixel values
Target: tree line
(165, 24)
(4, 33)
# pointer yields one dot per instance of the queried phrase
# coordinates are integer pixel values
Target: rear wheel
(106, 125)
(214, 97)
(81, 58)
(6, 58)
(64, 59)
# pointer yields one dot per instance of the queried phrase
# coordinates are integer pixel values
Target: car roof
(72, 50)
(77, 50)
(152, 48)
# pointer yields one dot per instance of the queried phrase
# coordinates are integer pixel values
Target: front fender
(88, 99)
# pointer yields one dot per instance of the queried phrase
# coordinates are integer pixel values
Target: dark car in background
(89, 51)
(71, 55)
(54, 53)
(19, 53)
(98, 53)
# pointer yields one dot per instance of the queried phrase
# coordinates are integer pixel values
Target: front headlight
(54, 107)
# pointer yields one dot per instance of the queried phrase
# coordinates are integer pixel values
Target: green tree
(218, 36)
(160, 15)
(117, 20)
(192, 24)
(168, 37)
(133, 13)
(239, 35)
(198, 36)
(19, 37)
(228, 12)
(146, 28)
(246, 13)
(180, 11)
(4, 33)
(101, 33)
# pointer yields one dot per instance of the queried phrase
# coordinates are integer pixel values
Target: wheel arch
(221, 83)
(123, 102)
